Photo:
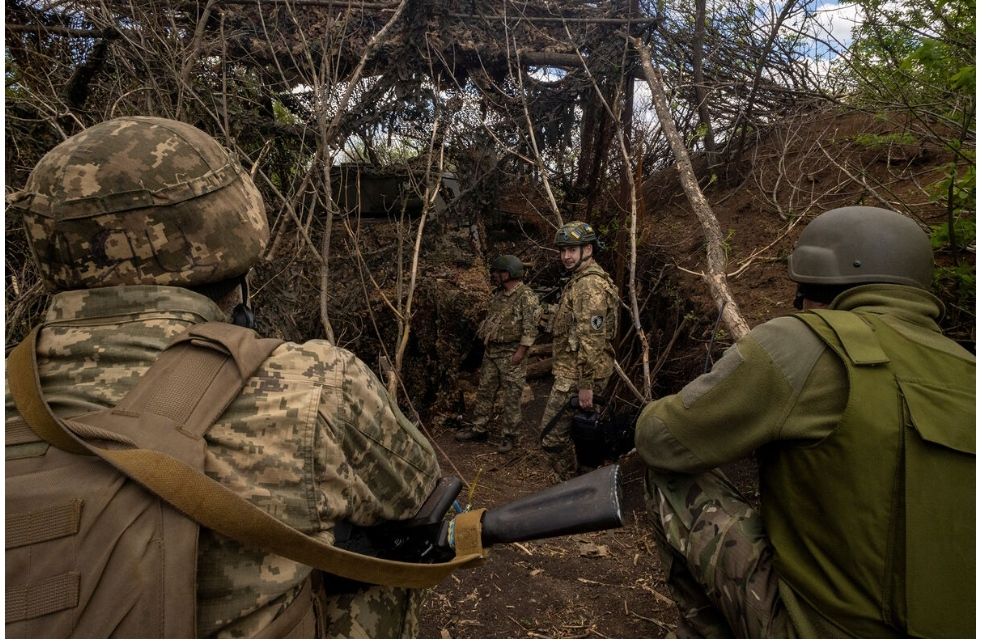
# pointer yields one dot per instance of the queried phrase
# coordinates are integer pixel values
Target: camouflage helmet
(141, 200)
(862, 245)
(576, 233)
(509, 264)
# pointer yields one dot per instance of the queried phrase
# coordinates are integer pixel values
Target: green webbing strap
(207, 501)
(857, 338)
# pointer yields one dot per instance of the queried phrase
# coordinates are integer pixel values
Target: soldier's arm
(530, 313)
(590, 302)
(372, 463)
(531, 316)
(776, 383)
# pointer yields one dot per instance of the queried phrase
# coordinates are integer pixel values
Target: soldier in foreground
(143, 227)
(508, 332)
(582, 329)
(863, 417)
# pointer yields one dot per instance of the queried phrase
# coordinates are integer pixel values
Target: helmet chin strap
(581, 261)
(242, 313)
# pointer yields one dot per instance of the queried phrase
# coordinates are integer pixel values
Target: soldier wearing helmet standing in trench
(582, 329)
(508, 332)
(142, 227)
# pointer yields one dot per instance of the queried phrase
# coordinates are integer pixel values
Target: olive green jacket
(781, 389)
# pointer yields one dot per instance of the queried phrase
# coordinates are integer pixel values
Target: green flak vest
(874, 526)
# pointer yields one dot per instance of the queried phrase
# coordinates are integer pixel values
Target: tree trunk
(715, 275)
(701, 92)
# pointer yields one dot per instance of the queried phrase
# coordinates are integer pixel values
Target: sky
(839, 19)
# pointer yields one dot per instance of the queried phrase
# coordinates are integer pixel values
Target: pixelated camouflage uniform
(312, 439)
(512, 322)
(583, 328)
(778, 389)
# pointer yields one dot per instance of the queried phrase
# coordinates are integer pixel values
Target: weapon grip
(584, 504)
(437, 503)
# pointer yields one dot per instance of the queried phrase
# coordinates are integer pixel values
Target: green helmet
(862, 245)
(575, 233)
(510, 264)
(141, 200)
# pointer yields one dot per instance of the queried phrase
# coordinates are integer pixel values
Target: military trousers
(372, 613)
(718, 560)
(557, 441)
(501, 385)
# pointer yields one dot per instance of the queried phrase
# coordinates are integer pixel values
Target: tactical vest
(103, 509)
(874, 526)
(504, 322)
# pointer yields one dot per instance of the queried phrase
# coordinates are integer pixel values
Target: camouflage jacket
(512, 318)
(584, 326)
(313, 438)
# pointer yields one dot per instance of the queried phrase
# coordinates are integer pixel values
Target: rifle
(587, 503)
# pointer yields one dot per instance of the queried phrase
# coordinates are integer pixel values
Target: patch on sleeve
(596, 322)
(723, 368)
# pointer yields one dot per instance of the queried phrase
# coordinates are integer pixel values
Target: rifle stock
(587, 503)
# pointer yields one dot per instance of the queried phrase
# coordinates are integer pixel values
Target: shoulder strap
(175, 478)
(857, 338)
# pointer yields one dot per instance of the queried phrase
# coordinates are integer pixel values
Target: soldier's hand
(585, 398)
(518, 355)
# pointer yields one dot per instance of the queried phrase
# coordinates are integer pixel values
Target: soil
(605, 584)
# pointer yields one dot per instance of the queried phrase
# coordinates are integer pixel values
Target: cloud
(837, 21)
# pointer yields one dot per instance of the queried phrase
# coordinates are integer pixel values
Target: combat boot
(506, 444)
(470, 435)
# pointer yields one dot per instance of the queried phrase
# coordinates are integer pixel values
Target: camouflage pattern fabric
(584, 326)
(512, 318)
(500, 387)
(512, 321)
(717, 556)
(312, 439)
(376, 612)
(557, 442)
(140, 200)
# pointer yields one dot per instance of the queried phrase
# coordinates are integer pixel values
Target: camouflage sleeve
(591, 303)
(531, 317)
(372, 463)
(769, 386)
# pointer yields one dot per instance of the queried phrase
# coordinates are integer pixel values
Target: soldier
(863, 417)
(508, 332)
(143, 227)
(582, 329)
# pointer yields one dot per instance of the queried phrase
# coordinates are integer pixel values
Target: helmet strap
(582, 258)
(242, 313)
(799, 298)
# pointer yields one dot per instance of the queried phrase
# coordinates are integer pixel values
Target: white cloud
(837, 20)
